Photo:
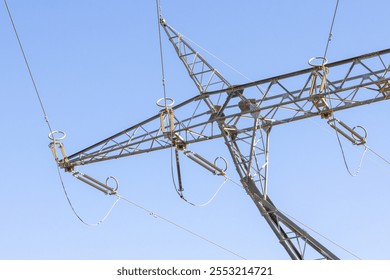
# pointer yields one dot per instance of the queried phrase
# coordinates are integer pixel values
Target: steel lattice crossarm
(286, 98)
(243, 115)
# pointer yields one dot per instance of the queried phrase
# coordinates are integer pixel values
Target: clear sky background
(97, 68)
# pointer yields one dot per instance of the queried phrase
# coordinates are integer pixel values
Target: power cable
(353, 174)
(308, 227)
(323, 236)
(159, 18)
(179, 226)
(223, 62)
(154, 214)
(367, 147)
(377, 154)
(28, 67)
(180, 193)
(74, 210)
(331, 30)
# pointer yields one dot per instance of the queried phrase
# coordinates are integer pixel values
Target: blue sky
(97, 68)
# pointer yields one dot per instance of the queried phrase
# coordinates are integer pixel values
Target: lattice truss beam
(278, 100)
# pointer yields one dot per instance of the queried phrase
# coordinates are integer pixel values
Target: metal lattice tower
(243, 116)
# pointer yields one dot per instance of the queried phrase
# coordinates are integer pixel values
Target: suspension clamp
(318, 99)
(56, 136)
(166, 113)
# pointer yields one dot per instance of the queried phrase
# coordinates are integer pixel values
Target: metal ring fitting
(356, 138)
(116, 183)
(313, 60)
(165, 102)
(53, 134)
(224, 160)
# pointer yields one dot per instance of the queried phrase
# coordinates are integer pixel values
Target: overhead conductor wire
(378, 155)
(180, 227)
(159, 17)
(180, 193)
(331, 29)
(28, 67)
(323, 236)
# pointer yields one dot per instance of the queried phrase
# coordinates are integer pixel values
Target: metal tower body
(243, 116)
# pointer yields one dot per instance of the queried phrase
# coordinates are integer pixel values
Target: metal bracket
(178, 142)
(384, 88)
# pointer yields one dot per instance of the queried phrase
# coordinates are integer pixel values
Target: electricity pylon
(243, 116)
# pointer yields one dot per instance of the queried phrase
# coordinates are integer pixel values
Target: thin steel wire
(74, 210)
(368, 148)
(377, 154)
(323, 236)
(28, 67)
(154, 214)
(308, 227)
(179, 226)
(353, 174)
(180, 194)
(159, 17)
(331, 29)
